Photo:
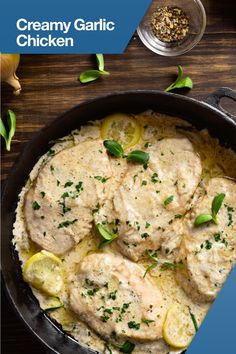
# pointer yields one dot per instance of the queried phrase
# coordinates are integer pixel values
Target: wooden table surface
(50, 86)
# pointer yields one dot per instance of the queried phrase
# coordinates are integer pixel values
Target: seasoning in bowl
(169, 24)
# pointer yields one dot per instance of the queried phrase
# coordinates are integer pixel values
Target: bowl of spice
(172, 27)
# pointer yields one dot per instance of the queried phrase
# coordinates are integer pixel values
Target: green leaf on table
(8, 134)
(180, 82)
(91, 75)
(108, 236)
(114, 148)
(100, 61)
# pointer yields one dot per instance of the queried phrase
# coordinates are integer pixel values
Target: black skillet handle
(215, 97)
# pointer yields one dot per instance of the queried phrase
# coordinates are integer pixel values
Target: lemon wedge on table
(122, 128)
(43, 271)
(178, 329)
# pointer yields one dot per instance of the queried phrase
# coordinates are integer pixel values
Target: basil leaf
(193, 318)
(108, 237)
(11, 121)
(114, 148)
(216, 205)
(100, 61)
(169, 200)
(138, 156)
(180, 82)
(91, 75)
(202, 218)
(127, 347)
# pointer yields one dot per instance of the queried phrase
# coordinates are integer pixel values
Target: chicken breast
(209, 251)
(110, 294)
(149, 203)
(59, 206)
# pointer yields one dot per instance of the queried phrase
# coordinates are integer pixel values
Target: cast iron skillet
(203, 115)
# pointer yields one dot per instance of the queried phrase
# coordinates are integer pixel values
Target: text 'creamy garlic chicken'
(126, 231)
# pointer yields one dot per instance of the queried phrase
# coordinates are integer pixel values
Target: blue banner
(71, 26)
(217, 332)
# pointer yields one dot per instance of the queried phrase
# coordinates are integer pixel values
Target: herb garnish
(114, 148)
(134, 325)
(194, 320)
(181, 81)
(127, 347)
(96, 209)
(169, 200)
(68, 184)
(215, 207)
(147, 322)
(153, 256)
(101, 179)
(42, 194)
(173, 266)
(66, 223)
(230, 211)
(8, 135)
(35, 205)
(108, 237)
(138, 156)
(92, 75)
(155, 178)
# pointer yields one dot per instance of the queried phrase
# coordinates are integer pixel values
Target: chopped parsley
(169, 200)
(127, 347)
(66, 223)
(96, 209)
(154, 178)
(42, 194)
(112, 295)
(134, 325)
(51, 152)
(51, 168)
(147, 225)
(35, 205)
(230, 211)
(68, 184)
(144, 183)
(145, 235)
(147, 322)
(101, 179)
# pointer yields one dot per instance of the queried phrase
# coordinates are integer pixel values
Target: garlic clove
(14, 81)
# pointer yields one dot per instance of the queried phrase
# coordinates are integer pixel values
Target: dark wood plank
(50, 86)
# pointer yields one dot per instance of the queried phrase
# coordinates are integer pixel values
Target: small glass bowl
(197, 24)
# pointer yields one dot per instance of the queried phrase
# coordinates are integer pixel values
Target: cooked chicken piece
(150, 202)
(209, 251)
(59, 206)
(110, 294)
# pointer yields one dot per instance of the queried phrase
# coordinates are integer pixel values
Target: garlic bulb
(9, 64)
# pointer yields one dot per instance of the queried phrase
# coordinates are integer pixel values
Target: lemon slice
(42, 271)
(122, 128)
(178, 329)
